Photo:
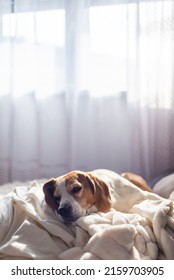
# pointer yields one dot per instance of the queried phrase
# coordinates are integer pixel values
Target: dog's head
(77, 194)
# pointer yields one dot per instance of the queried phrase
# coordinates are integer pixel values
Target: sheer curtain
(86, 84)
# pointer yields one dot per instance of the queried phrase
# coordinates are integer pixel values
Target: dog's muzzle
(65, 213)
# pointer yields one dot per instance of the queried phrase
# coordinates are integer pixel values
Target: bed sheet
(30, 230)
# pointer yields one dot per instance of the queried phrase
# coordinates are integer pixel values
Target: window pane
(50, 27)
(108, 47)
(32, 53)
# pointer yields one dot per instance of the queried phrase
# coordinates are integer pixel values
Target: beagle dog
(78, 193)
(137, 180)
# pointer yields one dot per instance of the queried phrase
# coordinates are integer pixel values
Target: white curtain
(86, 84)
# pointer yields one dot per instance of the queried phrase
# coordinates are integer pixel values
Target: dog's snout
(64, 211)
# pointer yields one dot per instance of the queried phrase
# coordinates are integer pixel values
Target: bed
(30, 230)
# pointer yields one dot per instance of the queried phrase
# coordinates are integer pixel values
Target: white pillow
(165, 186)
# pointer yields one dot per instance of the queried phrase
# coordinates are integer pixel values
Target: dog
(79, 193)
(137, 180)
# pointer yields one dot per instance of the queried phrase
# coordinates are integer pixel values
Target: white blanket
(30, 230)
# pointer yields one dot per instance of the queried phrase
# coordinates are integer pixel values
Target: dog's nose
(64, 211)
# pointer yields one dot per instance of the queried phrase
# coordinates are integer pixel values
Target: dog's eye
(76, 189)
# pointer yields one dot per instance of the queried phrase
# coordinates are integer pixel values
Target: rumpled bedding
(30, 230)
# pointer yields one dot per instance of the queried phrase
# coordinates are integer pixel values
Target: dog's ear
(101, 193)
(48, 189)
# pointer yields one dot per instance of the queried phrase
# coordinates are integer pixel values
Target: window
(32, 52)
(102, 47)
(108, 46)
